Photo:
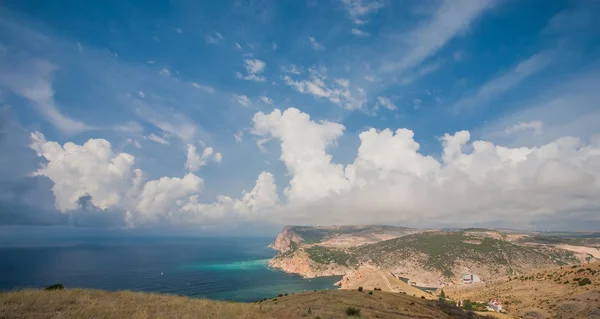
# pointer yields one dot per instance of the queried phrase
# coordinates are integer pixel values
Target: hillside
(425, 258)
(337, 236)
(438, 257)
(371, 278)
(323, 250)
(80, 303)
(558, 292)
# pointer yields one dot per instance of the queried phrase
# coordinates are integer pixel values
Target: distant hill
(81, 303)
(426, 257)
(447, 255)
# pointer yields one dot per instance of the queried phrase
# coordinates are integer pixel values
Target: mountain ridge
(427, 257)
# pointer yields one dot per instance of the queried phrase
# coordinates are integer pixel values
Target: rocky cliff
(300, 263)
(285, 239)
(323, 251)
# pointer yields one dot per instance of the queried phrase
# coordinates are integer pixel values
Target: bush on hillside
(57, 286)
(585, 281)
(454, 311)
(360, 288)
(468, 304)
(352, 312)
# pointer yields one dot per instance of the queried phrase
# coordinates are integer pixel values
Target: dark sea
(215, 268)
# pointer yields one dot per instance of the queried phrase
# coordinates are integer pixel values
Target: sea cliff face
(283, 242)
(292, 258)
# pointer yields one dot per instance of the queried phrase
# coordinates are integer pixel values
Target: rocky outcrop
(283, 242)
(299, 263)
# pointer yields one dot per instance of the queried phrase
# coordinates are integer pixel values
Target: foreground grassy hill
(83, 303)
(561, 292)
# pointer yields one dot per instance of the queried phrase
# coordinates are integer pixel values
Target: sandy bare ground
(370, 278)
(581, 249)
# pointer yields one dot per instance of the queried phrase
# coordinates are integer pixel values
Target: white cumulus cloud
(89, 169)
(390, 181)
(195, 161)
(93, 174)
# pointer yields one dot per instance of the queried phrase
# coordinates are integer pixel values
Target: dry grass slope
(549, 293)
(83, 303)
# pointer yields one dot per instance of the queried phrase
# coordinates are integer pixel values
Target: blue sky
(152, 78)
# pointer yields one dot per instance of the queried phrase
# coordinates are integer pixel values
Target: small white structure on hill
(470, 279)
(495, 305)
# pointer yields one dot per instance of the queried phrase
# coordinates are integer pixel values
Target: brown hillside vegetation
(561, 292)
(82, 303)
(370, 278)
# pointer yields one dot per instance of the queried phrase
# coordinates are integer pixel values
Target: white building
(470, 279)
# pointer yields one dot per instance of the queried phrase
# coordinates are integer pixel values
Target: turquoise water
(216, 268)
(229, 266)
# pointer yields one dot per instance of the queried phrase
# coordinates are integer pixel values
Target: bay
(216, 268)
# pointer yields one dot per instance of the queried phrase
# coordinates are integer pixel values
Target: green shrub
(370, 292)
(360, 288)
(580, 270)
(468, 304)
(352, 312)
(585, 281)
(57, 286)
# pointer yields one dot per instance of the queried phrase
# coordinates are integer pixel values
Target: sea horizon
(217, 268)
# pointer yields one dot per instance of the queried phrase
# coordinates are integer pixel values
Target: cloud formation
(254, 67)
(391, 182)
(195, 161)
(92, 184)
(32, 80)
(448, 20)
(315, 44)
(358, 9)
(338, 91)
(505, 82)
